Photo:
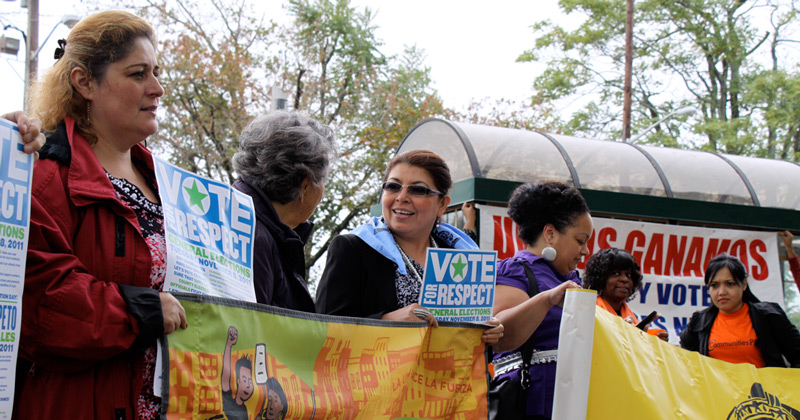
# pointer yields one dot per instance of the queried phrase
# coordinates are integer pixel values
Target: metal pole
(31, 62)
(628, 90)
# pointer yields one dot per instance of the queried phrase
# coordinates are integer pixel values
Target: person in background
(791, 256)
(283, 161)
(96, 252)
(31, 130)
(470, 219)
(555, 225)
(738, 328)
(616, 277)
(376, 271)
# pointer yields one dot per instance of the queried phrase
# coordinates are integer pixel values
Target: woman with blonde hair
(96, 256)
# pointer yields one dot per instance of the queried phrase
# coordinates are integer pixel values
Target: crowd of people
(96, 259)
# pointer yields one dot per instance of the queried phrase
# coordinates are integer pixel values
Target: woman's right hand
(30, 129)
(173, 312)
(407, 314)
(556, 295)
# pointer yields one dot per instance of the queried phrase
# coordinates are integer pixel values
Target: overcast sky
(471, 46)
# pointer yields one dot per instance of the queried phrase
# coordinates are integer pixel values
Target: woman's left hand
(31, 131)
(663, 335)
(407, 314)
(493, 335)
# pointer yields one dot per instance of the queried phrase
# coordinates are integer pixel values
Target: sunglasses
(415, 190)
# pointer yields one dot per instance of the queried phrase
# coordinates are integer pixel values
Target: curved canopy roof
(476, 151)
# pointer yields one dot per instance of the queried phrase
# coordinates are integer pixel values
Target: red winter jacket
(87, 309)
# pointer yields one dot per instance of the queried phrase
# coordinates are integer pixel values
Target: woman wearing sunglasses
(377, 270)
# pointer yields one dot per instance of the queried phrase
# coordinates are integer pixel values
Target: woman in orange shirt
(739, 328)
(616, 277)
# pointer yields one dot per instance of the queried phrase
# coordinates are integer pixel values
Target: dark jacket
(88, 308)
(358, 281)
(776, 336)
(359, 278)
(279, 264)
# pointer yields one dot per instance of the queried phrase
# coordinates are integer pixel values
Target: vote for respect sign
(459, 284)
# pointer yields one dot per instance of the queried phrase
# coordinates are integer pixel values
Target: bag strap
(527, 349)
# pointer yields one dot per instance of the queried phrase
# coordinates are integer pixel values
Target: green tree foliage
(339, 76)
(219, 61)
(700, 53)
(536, 116)
(214, 73)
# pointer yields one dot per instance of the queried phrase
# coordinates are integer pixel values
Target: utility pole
(31, 59)
(628, 90)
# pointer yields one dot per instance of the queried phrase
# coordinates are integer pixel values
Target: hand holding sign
(555, 296)
(409, 313)
(30, 129)
(493, 335)
(174, 315)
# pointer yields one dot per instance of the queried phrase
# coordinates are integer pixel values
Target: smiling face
(571, 244)
(619, 286)
(124, 102)
(411, 217)
(244, 382)
(726, 292)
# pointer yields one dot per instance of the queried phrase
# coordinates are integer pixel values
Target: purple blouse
(510, 272)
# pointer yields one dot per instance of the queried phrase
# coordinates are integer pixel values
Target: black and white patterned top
(408, 287)
(151, 221)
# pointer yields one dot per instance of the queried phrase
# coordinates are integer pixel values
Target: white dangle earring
(549, 253)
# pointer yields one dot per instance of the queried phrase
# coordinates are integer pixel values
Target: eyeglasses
(415, 190)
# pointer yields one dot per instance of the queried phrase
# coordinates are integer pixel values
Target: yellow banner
(637, 376)
(242, 360)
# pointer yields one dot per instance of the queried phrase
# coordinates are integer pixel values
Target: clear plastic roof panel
(700, 176)
(612, 166)
(523, 156)
(776, 182)
(516, 155)
(440, 138)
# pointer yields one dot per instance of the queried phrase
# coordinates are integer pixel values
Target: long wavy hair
(92, 45)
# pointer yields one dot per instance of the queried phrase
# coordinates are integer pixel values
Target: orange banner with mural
(240, 360)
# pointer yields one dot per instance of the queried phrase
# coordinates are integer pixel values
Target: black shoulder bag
(507, 397)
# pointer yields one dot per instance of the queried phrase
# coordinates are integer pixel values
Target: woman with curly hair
(555, 225)
(615, 275)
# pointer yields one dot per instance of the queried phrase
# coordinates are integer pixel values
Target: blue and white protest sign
(209, 228)
(16, 172)
(459, 284)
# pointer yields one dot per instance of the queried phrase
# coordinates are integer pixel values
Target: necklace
(409, 265)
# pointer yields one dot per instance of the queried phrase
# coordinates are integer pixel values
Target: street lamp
(31, 41)
(67, 20)
(687, 110)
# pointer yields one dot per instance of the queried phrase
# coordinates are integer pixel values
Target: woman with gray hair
(283, 162)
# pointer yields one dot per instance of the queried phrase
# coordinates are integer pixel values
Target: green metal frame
(634, 206)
